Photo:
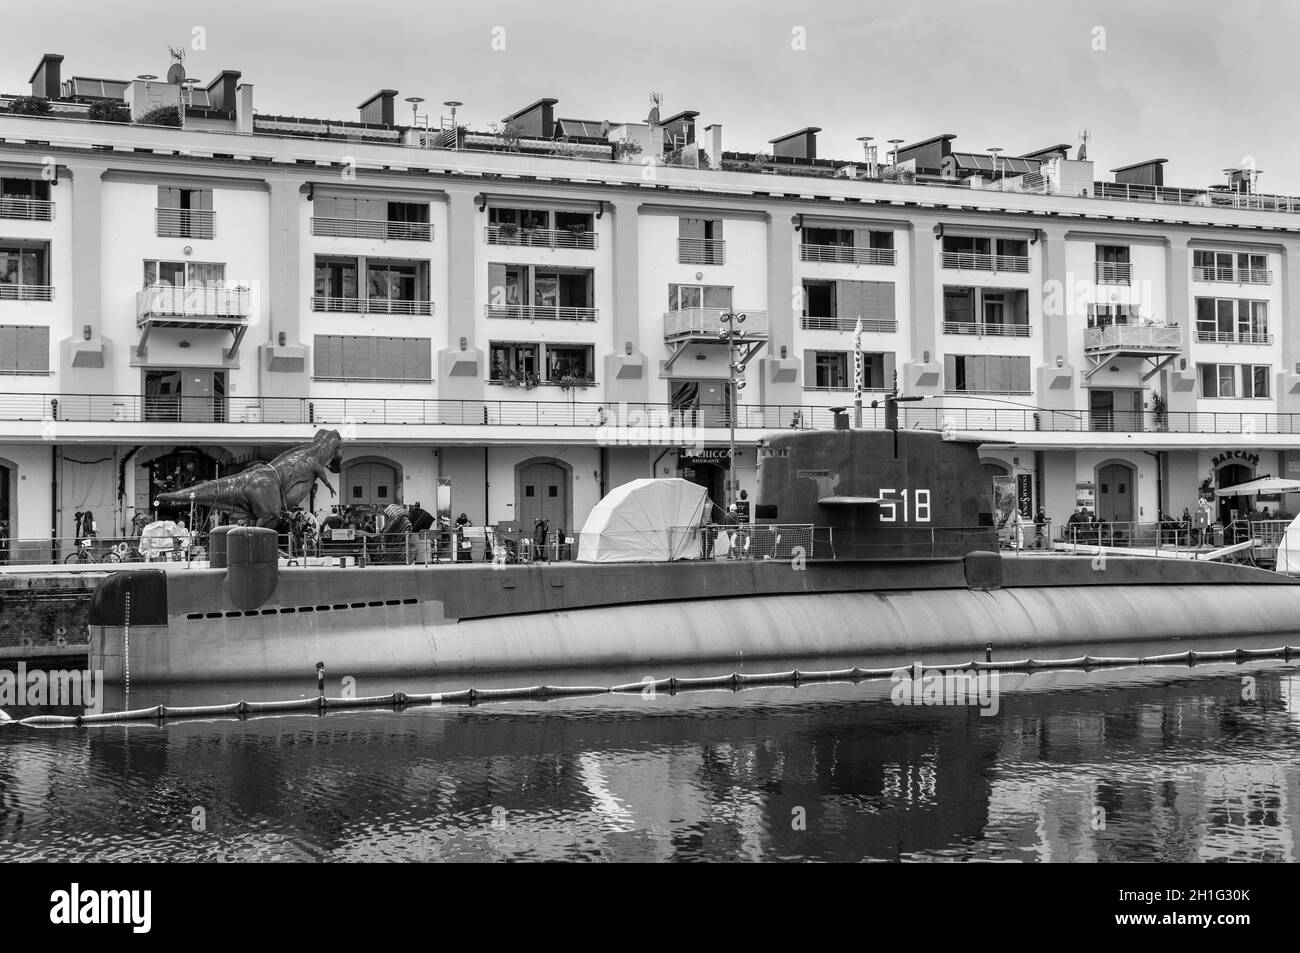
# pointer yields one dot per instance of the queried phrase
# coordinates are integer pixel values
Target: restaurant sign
(1227, 455)
(720, 456)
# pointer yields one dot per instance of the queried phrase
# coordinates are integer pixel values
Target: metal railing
(540, 237)
(563, 412)
(192, 301)
(1167, 535)
(1234, 337)
(32, 210)
(1134, 337)
(1113, 272)
(539, 312)
(362, 228)
(707, 322)
(10, 292)
(1240, 276)
(184, 222)
(370, 305)
(847, 254)
(972, 261)
(986, 330)
(881, 325)
(701, 251)
(1149, 193)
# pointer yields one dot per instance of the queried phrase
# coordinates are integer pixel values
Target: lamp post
(455, 132)
(734, 337)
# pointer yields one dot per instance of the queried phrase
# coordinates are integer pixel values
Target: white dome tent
(645, 521)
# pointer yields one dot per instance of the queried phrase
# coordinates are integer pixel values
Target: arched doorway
(1116, 488)
(542, 492)
(182, 467)
(1231, 507)
(370, 483)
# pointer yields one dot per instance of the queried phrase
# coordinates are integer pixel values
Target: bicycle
(84, 555)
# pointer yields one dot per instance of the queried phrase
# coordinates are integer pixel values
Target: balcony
(846, 254)
(1113, 272)
(328, 303)
(184, 223)
(26, 292)
(540, 237)
(192, 308)
(360, 228)
(1135, 338)
(31, 210)
(701, 251)
(809, 323)
(986, 330)
(703, 326)
(539, 312)
(972, 261)
(1238, 276)
(1234, 337)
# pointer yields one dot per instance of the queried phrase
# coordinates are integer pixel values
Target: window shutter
(34, 349)
(421, 349)
(8, 348)
(888, 363)
(351, 350)
(950, 371)
(848, 301)
(809, 368)
(329, 355)
(389, 362)
(497, 285)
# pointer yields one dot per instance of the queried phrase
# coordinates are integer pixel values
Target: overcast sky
(1205, 83)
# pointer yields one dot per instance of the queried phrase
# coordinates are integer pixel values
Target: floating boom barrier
(736, 681)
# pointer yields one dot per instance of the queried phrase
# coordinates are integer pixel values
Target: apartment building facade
(178, 303)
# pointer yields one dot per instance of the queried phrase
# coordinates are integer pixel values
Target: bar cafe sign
(1228, 455)
(719, 456)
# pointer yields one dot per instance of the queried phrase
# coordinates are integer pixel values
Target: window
(350, 357)
(1104, 315)
(986, 374)
(699, 241)
(24, 350)
(392, 280)
(681, 297)
(30, 189)
(392, 285)
(819, 299)
(513, 361)
(966, 245)
(1241, 267)
(1113, 254)
(184, 213)
(24, 271)
(196, 200)
(1248, 381)
(833, 370)
(571, 361)
(187, 274)
(565, 293)
(1229, 320)
(991, 311)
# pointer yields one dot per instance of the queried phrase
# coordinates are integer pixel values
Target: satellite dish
(176, 73)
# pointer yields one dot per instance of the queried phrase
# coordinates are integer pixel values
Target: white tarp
(1288, 549)
(645, 521)
(1264, 486)
(158, 539)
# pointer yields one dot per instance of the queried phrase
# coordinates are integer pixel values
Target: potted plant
(508, 231)
(1159, 410)
(569, 381)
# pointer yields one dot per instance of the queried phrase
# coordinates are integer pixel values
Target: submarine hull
(527, 618)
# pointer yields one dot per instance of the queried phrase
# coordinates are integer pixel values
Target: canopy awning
(1264, 486)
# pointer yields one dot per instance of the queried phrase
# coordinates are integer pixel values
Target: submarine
(872, 541)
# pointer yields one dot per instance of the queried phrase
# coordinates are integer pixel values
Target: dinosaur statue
(262, 493)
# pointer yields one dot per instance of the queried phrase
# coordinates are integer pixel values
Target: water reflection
(1168, 765)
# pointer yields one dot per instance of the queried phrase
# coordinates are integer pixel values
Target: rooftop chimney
(221, 91)
(796, 145)
(45, 79)
(378, 109)
(536, 120)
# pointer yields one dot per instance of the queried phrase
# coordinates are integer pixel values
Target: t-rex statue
(264, 492)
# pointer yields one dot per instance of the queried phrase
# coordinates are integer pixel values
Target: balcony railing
(184, 223)
(1156, 338)
(1234, 337)
(539, 312)
(701, 251)
(360, 228)
(971, 261)
(847, 254)
(192, 301)
(986, 330)
(707, 322)
(1239, 276)
(34, 210)
(1113, 272)
(540, 237)
(809, 323)
(26, 292)
(370, 305)
(562, 412)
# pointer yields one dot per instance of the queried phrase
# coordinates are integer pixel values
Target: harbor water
(1160, 763)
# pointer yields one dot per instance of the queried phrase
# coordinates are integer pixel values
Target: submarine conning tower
(876, 494)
